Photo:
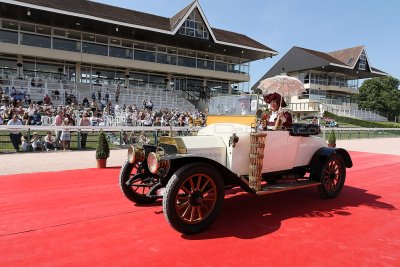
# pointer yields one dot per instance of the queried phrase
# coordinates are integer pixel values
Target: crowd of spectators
(15, 109)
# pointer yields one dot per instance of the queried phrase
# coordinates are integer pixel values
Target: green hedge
(361, 123)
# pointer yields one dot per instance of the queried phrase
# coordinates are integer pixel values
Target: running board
(285, 186)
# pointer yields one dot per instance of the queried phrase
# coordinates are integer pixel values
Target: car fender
(324, 153)
(179, 160)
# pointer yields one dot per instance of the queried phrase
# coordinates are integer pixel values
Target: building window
(362, 62)
(95, 49)
(8, 24)
(8, 37)
(35, 40)
(67, 45)
(194, 26)
(121, 52)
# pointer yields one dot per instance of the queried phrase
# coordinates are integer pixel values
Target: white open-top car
(191, 173)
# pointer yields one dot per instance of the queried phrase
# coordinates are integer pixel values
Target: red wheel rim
(196, 198)
(332, 175)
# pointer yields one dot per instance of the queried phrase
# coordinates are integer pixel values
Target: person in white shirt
(117, 108)
(49, 141)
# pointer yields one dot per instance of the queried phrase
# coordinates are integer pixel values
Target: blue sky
(319, 25)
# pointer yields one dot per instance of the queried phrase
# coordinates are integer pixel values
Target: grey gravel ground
(71, 160)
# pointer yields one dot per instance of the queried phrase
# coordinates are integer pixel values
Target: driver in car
(277, 119)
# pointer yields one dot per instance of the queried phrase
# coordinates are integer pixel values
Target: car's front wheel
(138, 186)
(193, 198)
(332, 177)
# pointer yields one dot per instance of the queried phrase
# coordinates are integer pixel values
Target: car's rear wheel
(193, 198)
(139, 186)
(333, 176)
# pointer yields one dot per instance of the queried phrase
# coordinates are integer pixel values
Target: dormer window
(194, 26)
(362, 62)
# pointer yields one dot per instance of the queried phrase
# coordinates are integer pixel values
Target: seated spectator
(47, 100)
(95, 119)
(85, 102)
(33, 82)
(26, 119)
(13, 91)
(25, 144)
(103, 103)
(181, 122)
(157, 122)
(28, 99)
(93, 106)
(50, 142)
(148, 121)
(132, 138)
(117, 108)
(143, 138)
(35, 142)
(36, 118)
(22, 92)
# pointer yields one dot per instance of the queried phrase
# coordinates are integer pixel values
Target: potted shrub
(102, 150)
(332, 139)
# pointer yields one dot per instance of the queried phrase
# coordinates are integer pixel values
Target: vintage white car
(191, 173)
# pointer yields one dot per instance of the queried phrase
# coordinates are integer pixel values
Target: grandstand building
(330, 79)
(80, 47)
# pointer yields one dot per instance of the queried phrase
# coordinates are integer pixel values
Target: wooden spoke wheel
(332, 177)
(139, 186)
(193, 198)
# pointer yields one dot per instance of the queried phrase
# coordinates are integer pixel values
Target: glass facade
(120, 52)
(35, 40)
(96, 49)
(194, 26)
(21, 33)
(65, 44)
(145, 55)
(8, 37)
(82, 42)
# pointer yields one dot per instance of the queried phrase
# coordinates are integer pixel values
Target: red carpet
(80, 218)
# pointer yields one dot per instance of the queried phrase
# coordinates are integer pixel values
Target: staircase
(361, 114)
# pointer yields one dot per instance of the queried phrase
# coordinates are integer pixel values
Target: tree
(381, 94)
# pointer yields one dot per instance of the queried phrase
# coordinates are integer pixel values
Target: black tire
(132, 192)
(193, 198)
(332, 176)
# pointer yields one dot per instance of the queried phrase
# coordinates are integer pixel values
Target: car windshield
(244, 104)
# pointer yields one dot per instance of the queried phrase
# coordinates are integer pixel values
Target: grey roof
(301, 59)
(118, 14)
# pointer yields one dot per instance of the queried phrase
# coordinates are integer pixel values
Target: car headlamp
(135, 154)
(154, 162)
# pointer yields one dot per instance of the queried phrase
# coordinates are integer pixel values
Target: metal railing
(116, 135)
(360, 133)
